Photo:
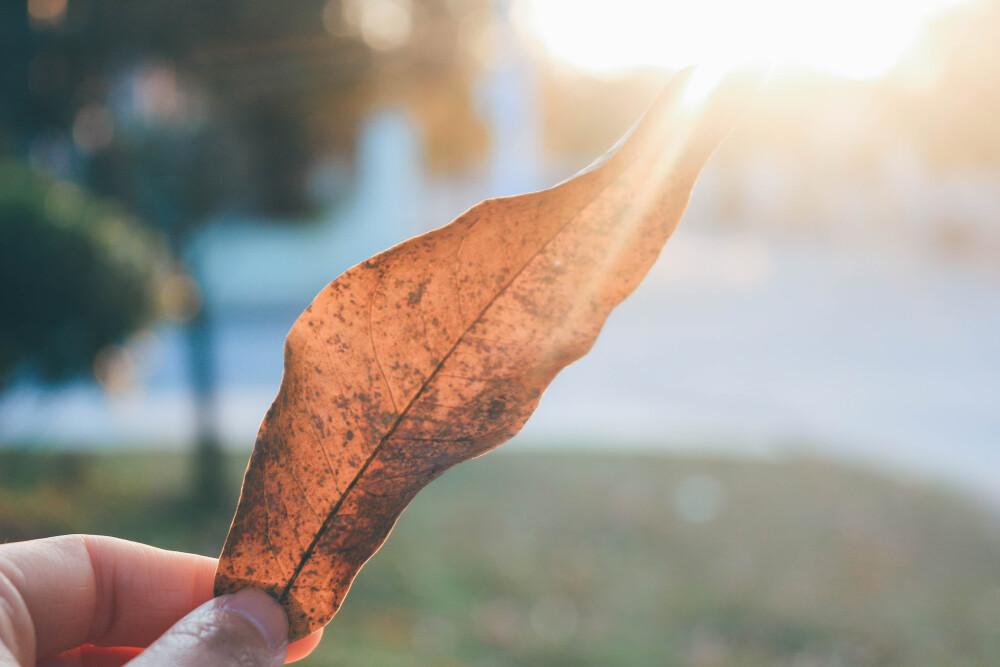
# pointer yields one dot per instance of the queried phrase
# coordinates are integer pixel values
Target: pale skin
(86, 600)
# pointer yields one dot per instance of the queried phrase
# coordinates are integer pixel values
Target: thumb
(248, 628)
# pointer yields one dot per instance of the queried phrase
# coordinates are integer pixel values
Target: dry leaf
(438, 350)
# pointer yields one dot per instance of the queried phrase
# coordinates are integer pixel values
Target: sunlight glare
(852, 38)
(703, 82)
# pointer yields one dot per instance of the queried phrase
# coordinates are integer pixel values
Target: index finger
(86, 589)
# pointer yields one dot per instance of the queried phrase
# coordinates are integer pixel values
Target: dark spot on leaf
(416, 295)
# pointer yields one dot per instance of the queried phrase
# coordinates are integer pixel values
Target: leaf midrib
(307, 554)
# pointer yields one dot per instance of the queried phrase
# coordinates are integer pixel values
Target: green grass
(582, 559)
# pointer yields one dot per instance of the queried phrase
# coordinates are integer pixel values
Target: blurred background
(785, 446)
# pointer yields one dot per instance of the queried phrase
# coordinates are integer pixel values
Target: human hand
(85, 601)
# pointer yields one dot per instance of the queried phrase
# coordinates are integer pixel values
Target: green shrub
(77, 274)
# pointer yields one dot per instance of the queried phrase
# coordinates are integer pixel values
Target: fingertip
(264, 612)
(245, 628)
(301, 648)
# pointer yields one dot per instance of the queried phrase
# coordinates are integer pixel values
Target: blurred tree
(183, 110)
(78, 276)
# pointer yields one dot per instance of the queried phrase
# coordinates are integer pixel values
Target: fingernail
(264, 612)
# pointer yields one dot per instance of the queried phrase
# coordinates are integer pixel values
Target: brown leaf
(437, 350)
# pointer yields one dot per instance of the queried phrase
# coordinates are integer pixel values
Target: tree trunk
(208, 480)
(209, 474)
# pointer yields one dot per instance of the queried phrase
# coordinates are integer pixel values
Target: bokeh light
(46, 11)
(383, 24)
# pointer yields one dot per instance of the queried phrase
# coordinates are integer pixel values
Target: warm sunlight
(853, 38)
